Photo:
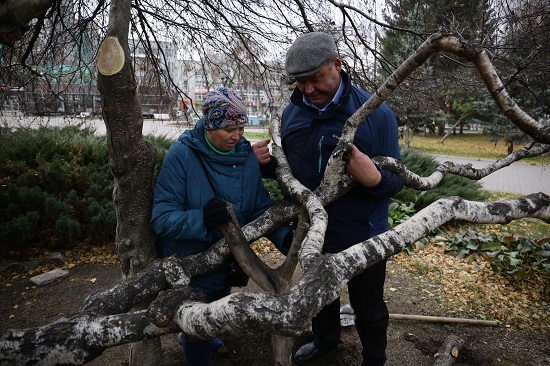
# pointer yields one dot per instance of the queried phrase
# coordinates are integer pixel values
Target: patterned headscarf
(223, 108)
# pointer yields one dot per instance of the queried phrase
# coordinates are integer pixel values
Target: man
(322, 101)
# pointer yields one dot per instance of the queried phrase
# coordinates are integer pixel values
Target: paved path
(519, 177)
(522, 178)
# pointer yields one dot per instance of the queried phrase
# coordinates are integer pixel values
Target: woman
(202, 170)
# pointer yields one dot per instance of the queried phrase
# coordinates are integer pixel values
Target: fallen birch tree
(106, 319)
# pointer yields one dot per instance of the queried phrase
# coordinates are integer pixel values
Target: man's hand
(362, 169)
(261, 150)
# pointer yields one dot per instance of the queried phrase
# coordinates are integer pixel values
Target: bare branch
(271, 312)
(426, 183)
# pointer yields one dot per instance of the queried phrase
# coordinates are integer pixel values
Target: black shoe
(308, 353)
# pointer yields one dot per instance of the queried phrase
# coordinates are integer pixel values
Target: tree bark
(107, 316)
(448, 352)
(274, 281)
(83, 336)
(132, 160)
(15, 16)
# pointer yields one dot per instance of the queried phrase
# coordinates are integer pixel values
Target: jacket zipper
(320, 152)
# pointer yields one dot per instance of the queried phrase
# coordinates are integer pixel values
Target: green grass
(471, 145)
(257, 135)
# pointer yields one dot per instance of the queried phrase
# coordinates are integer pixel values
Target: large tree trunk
(275, 281)
(132, 160)
(408, 136)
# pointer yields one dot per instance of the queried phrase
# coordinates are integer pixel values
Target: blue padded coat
(308, 139)
(182, 190)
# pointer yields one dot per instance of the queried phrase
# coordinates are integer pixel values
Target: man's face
(225, 139)
(320, 87)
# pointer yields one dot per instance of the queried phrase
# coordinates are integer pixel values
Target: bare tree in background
(162, 285)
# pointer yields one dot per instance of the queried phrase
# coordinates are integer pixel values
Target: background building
(168, 87)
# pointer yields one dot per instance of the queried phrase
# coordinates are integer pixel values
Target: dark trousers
(366, 294)
(198, 352)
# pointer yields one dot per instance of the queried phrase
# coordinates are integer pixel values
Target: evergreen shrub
(56, 188)
(451, 185)
(274, 190)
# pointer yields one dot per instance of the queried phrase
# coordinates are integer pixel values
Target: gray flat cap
(309, 53)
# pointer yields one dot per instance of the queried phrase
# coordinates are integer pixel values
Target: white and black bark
(81, 337)
(285, 313)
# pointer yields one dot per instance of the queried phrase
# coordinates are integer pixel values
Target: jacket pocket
(325, 147)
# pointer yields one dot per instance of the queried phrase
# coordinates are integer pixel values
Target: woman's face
(321, 87)
(225, 139)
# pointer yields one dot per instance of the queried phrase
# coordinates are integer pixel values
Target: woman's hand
(261, 150)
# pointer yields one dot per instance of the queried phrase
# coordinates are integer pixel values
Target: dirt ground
(411, 342)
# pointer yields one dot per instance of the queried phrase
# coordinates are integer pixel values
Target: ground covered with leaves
(430, 282)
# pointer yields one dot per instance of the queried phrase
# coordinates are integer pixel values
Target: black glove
(215, 213)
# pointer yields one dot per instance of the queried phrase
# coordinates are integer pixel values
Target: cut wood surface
(448, 352)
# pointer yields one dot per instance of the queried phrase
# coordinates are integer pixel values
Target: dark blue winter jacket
(308, 139)
(182, 190)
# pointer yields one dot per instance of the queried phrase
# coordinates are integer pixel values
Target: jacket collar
(297, 98)
(195, 139)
